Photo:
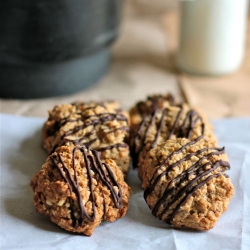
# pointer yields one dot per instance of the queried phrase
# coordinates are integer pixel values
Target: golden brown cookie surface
(78, 190)
(186, 184)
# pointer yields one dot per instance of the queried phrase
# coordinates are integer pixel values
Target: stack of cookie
(82, 180)
(183, 171)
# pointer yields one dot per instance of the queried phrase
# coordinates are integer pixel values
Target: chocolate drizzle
(159, 128)
(175, 195)
(175, 124)
(102, 172)
(154, 102)
(188, 125)
(180, 130)
(89, 121)
(98, 119)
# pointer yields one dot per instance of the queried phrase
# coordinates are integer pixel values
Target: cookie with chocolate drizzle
(102, 126)
(179, 121)
(148, 106)
(186, 184)
(78, 190)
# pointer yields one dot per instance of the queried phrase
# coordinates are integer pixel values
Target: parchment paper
(22, 228)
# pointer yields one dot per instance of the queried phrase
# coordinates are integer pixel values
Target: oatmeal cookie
(186, 184)
(148, 106)
(101, 126)
(78, 190)
(169, 123)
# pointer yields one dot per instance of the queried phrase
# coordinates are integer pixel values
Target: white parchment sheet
(22, 228)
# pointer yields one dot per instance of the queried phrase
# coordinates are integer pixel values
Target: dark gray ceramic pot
(54, 47)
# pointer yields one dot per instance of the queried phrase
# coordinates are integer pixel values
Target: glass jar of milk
(212, 36)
